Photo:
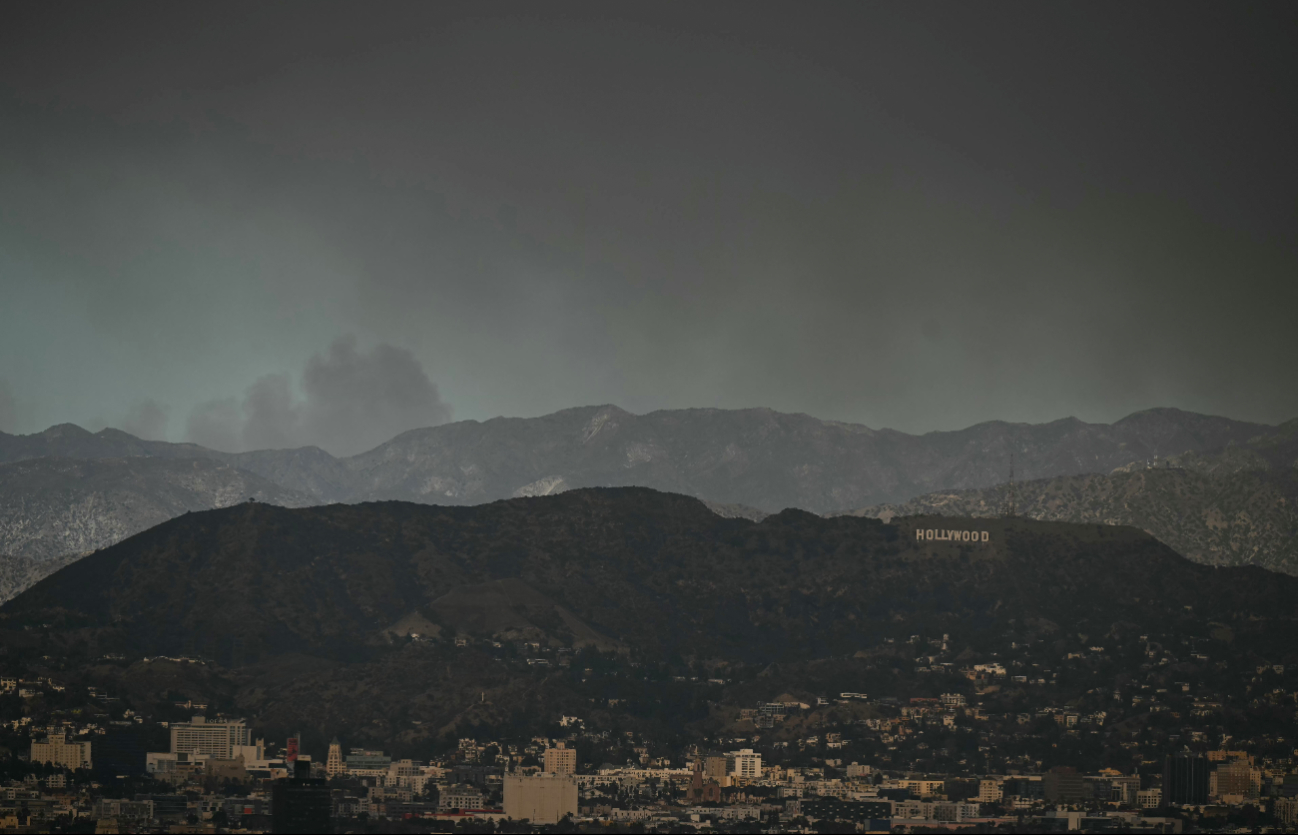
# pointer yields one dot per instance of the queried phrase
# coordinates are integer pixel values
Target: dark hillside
(336, 593)
(658, 571)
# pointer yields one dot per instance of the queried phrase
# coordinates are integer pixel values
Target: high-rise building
(56, 750)
(561, 760)
(216, 739)
(122, 750)
(334, 764)
(1185, 780)
(540, 798)
(718, 769)
(1233, 781)
(301, 803)
(745, 763)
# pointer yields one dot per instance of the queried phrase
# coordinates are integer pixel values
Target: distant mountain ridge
(17, 574)
(1245, 518)
(1237, 505)
(67, 490)
(753, 457)
(55, 506)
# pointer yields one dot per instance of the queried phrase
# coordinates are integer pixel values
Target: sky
(275, 224)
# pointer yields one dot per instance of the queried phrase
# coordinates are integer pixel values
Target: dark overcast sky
(910, 215)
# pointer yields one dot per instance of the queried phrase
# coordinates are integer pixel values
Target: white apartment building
(744, 763)
(217, 740)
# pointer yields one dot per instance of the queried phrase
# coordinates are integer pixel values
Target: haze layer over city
(503, 417)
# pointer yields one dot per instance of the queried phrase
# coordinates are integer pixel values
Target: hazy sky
(907, 215)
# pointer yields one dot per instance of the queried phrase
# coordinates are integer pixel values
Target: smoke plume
(351, 401)
(147, 420)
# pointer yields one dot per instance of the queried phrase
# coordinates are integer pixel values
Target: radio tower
(1009, 501)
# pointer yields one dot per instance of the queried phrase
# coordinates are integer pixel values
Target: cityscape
(973, 759)
(572, 416)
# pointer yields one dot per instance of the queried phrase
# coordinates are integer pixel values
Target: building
(744, 763)
(717, 768)
(1063, 784)
(255, 753)
(122, 750)
(1123, 790)
(367, 763)
(1233, 782)
(561, 760)
(461, 796)
(56, 750)
(870, 814)
(1286, 811)
(990, 791)
(215, 739)
(1149, 798)
(540, 799)
(701, 790)
(301, 803)
(1185, 780)
(334, 764)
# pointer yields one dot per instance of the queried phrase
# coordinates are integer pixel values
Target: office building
(1064, 785)
(1185, 780)
(301, 803)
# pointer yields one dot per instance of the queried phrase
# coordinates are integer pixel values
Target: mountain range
(340, 618)
(754, 457)
(1234, 506)
(67, 490)
(54, 506)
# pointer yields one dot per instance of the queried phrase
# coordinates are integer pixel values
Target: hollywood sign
(951, 536)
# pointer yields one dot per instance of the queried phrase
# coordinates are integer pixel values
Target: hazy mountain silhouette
(753, 457)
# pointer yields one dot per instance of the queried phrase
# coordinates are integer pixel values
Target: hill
(1221, 515)
(306, 614)
(55, 506)
(744, 463)
(20, 573)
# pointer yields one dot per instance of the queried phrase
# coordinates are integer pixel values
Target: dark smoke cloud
(352, 402)
(147, 420)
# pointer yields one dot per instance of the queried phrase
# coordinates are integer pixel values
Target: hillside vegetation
(306, 615)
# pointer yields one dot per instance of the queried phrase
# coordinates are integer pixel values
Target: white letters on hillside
(931, 534)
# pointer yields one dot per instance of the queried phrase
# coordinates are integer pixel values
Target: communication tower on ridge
(1009, 512)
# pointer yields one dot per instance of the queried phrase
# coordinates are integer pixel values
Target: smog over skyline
(276, 225)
